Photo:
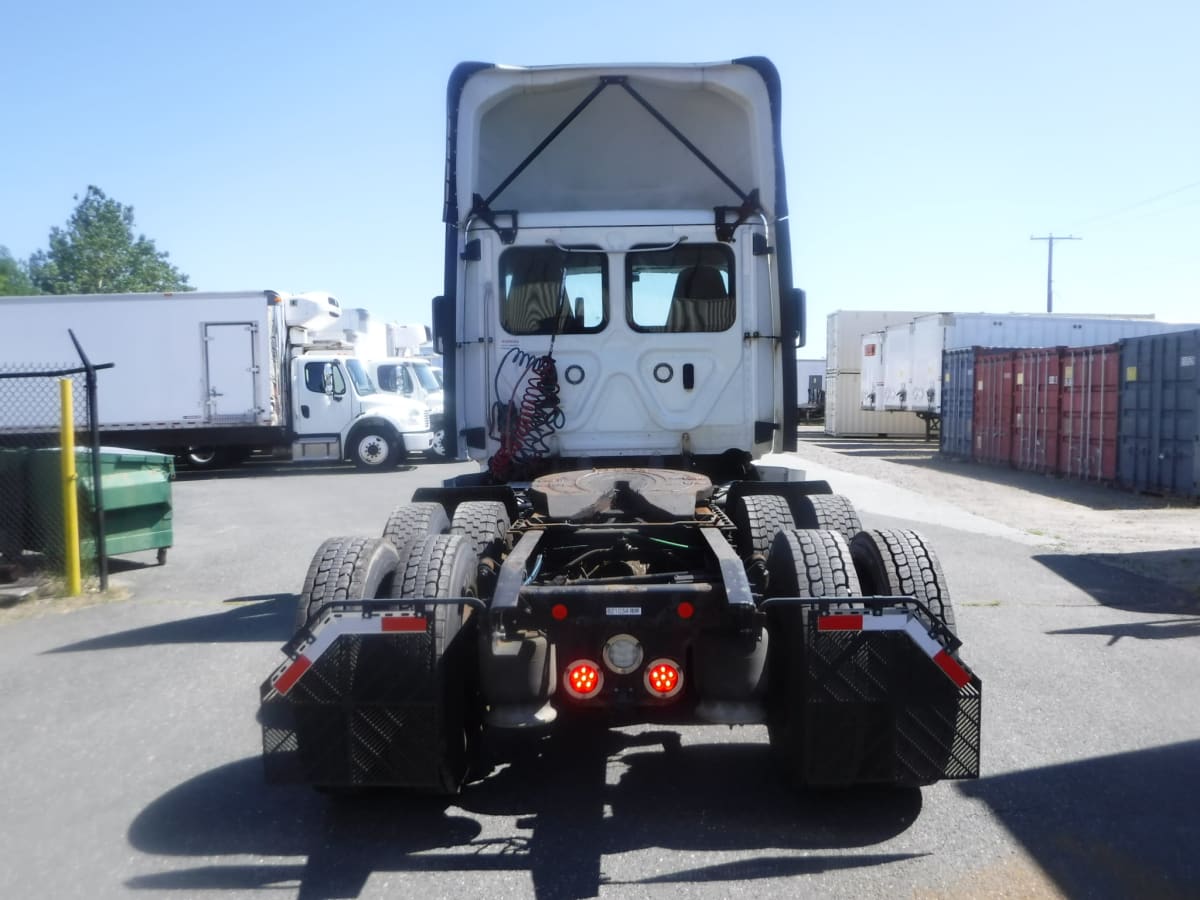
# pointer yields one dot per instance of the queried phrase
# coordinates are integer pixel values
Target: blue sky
(299, 146)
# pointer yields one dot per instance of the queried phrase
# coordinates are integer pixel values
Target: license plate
(623, 610)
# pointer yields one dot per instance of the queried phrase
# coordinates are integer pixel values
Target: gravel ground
(1157, 537)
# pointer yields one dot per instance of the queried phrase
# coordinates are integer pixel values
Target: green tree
(14, 280)
(97, 253)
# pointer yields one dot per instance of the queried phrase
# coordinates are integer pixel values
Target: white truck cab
(625, 308)
(413, 378)
(338, 412)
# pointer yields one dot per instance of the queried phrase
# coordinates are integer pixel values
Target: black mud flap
(879, 709)
(369, 710)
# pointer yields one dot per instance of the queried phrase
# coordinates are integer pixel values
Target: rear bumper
(877, 696)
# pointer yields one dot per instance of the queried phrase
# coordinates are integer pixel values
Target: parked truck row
(212, 377)
(619, 330)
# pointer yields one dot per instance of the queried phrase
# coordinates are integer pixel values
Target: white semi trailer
(210, 377)
(619, 330)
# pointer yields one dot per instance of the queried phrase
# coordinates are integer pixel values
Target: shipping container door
(1160, 405)
(957, 402)
(230, 371)
(1036, 376)
(993, 415)
(1090, 385)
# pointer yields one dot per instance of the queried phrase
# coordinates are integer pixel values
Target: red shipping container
(1091, 388)
(1036, 394)
(992, 422)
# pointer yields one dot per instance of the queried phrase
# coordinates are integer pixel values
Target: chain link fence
(31, 497)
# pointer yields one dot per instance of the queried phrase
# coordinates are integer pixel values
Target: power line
(1050, 239)
(1140, 203)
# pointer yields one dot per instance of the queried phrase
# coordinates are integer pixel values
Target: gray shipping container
(958, 402)
(1160, 414)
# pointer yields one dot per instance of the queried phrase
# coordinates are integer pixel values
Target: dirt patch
(44, 596)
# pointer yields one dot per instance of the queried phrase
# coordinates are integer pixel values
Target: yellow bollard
(70, 500)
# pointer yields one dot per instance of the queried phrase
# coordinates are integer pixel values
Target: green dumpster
(135, 489)
(13, 476)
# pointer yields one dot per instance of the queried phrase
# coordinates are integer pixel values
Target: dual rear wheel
(413, 561)
(829, 556)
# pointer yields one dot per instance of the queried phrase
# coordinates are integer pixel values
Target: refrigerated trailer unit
(640, 545)
(210, 377)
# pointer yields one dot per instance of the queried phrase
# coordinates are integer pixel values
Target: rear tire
(831, 512)
(802, 563)
(412, 522)
(484, 523)
(438, 451)
(204, 459)
(759, 518)
(443, 566)
(346, 568)
(897, 562)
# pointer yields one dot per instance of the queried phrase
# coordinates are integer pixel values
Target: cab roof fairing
(614, 154)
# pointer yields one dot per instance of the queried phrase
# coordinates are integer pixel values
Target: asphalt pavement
(130, 761)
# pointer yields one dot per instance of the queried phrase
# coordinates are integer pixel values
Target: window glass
(358, 374)
(314, 377)
(545, 290)
(426, 377)
(687, 288)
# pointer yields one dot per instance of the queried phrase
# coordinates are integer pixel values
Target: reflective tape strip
(334, 627)
(899, 621)
(292, 674)
(839, 622)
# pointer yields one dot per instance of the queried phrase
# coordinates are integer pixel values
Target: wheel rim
(201, 456)
(373, 450)
(439, 447)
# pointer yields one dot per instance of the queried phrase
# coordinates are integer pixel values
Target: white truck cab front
(338, 413)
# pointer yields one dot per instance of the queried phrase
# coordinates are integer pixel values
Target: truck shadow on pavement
(1118, 826)
(280, 468)
(263, 617)
(1170, 586)
(551, 817)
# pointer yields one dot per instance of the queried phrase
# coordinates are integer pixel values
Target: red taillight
(663, 678)
(584, 678)
(685, 610)
(559, 611)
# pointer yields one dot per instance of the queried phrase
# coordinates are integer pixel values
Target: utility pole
(1050, 239)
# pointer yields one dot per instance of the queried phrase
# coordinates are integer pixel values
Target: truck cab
(633, 307)
(339, 413)
(413, 378)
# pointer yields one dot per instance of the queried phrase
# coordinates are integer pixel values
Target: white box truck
(388, 351)
(211, 377)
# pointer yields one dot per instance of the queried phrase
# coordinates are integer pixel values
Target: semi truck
(211, 377)
(640, 544)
